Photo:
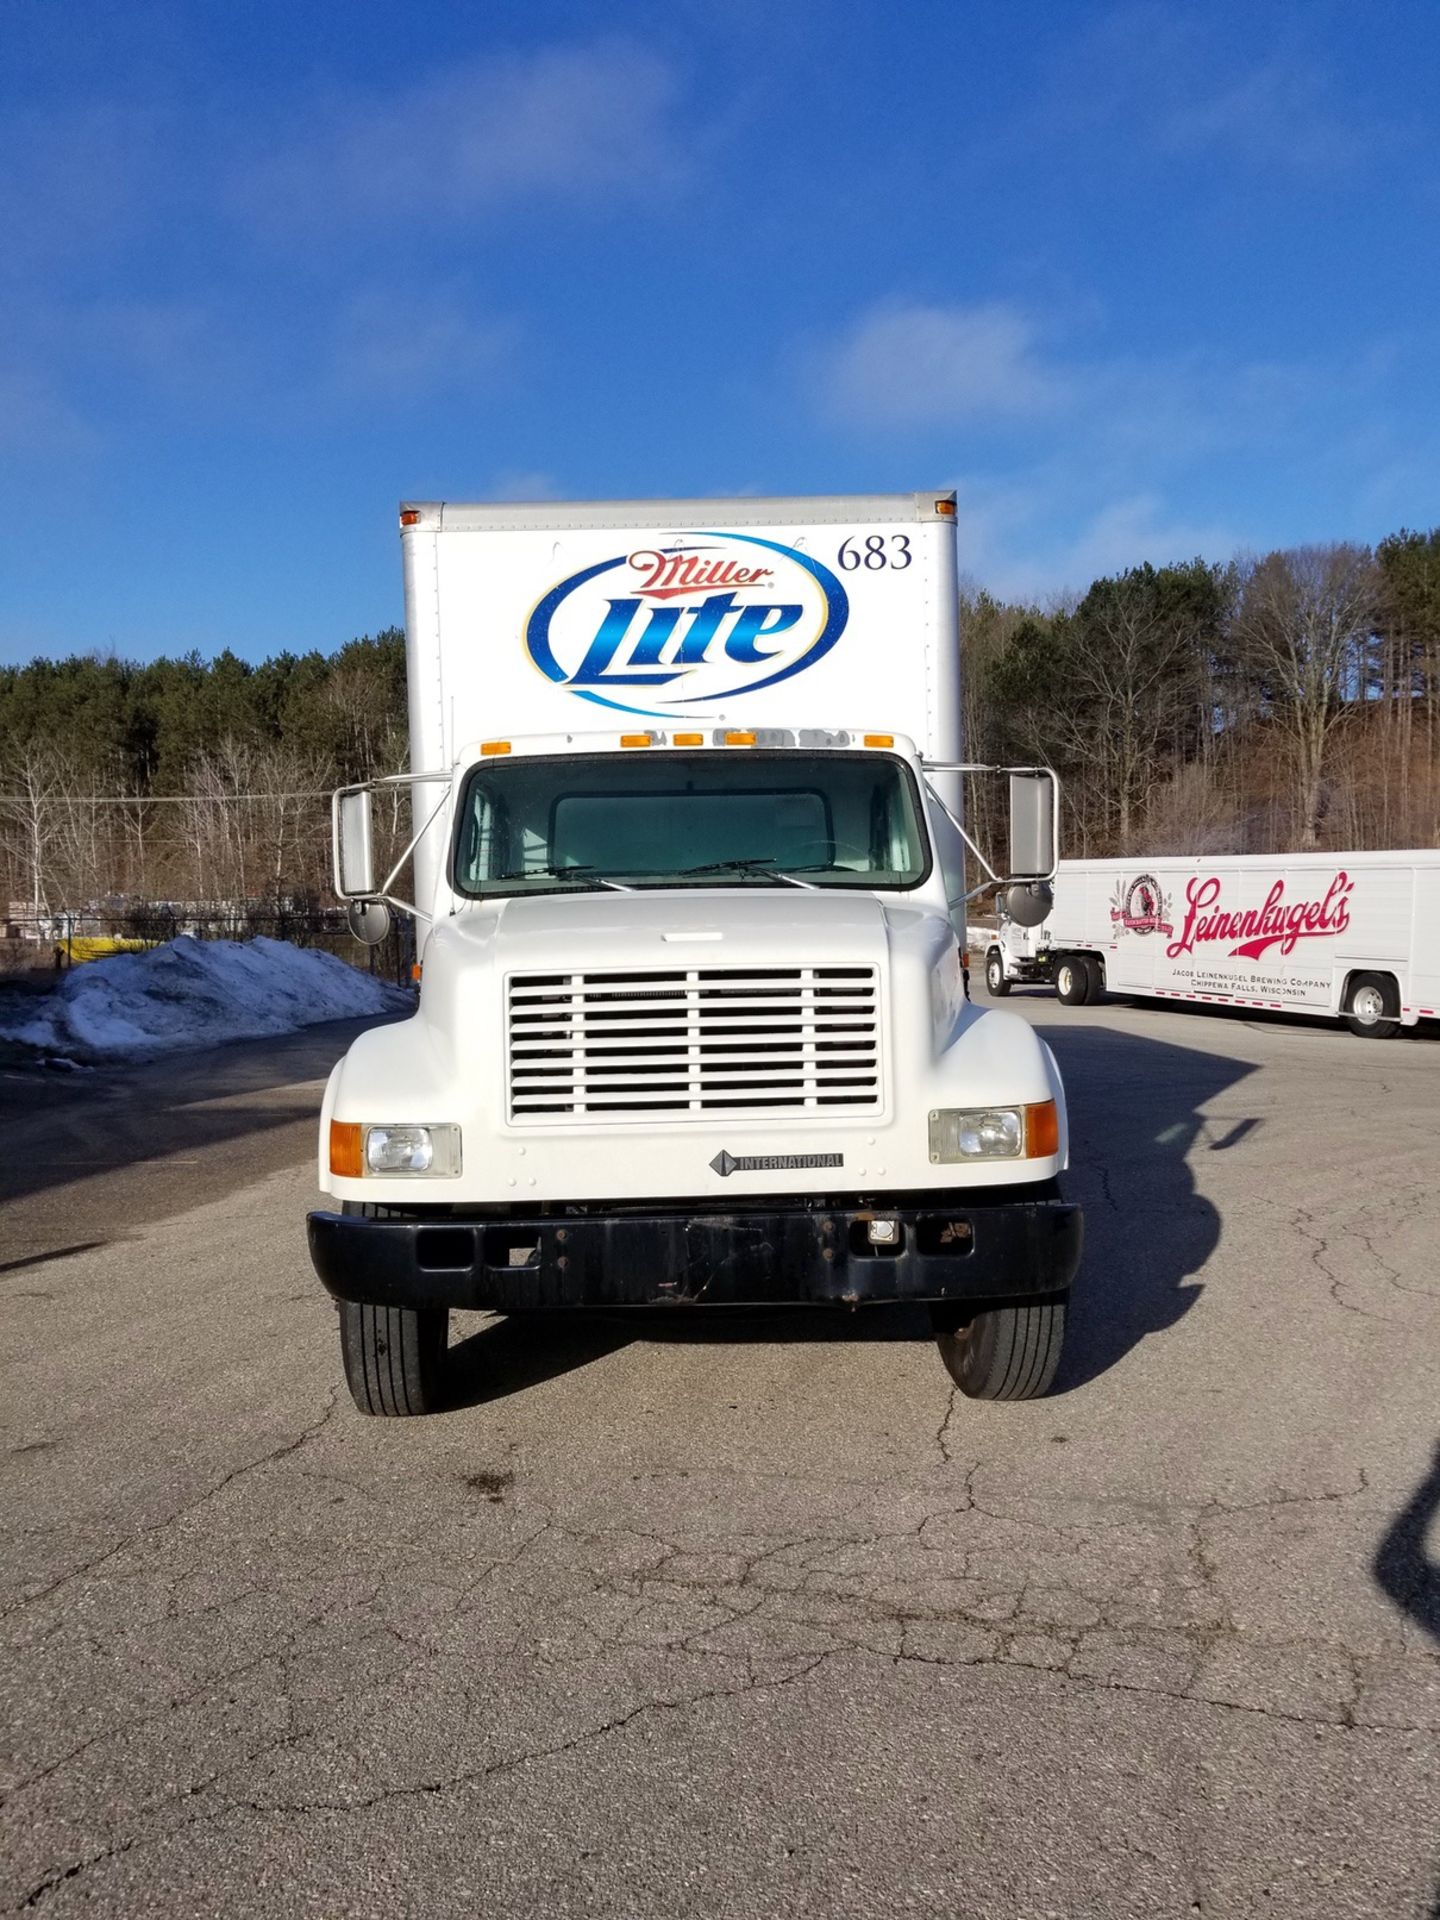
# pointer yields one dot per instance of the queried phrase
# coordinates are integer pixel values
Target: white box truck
(1352, 935)
(688, 867)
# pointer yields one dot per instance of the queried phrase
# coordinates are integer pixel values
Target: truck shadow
(1408, 1574)
(1405, 1571)
(519, 1351)
(1137, 1121)
(1137, 1125)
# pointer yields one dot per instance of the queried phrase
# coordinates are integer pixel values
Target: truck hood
(697, 928)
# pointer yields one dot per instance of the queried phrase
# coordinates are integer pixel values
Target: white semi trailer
(1355, 936)
(692, 1027)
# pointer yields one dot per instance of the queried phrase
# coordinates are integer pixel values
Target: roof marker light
(946, 507)
(637, 739)
(495, 746)
(739, 739)
(410, 517)
(879, 739)
(689, 739)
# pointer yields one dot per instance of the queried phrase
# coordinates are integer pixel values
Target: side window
(482, 838)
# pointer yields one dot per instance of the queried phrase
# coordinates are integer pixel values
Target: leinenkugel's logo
(682, 627)
(1141, 907)
(1277, 922)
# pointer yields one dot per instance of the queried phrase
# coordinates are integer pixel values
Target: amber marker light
(1042, 1130)
(879, 739)
(636, 740)
(946, 507)
(739, 739)
(689, 739)
(495, 746)
(410, 518)
(346, 1149)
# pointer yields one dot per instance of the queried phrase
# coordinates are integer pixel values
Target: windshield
(704, 819)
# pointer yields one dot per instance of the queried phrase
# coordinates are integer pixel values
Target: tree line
(1274, 703)
(1285, 701)
(191, 783)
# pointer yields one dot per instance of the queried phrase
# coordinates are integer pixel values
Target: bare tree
(1302, 633)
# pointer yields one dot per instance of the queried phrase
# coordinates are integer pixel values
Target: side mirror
(1032, 828)
(1028, 902)
(368, 921)
(354, 851)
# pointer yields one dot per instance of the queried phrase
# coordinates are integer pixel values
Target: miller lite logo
(672, 630)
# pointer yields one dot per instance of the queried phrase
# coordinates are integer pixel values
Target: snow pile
(194, 993)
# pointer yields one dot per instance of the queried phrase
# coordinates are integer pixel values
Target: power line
(147, 799)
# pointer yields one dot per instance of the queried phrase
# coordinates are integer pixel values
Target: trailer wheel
(394, 1357)
(1370, 1007)
(1072, 980)
(996, 985)
(1003, 1353)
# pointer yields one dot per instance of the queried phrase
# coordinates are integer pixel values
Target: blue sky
(1140, 281)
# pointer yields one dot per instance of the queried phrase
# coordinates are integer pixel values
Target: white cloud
(1033, 541)
(522, 484)
(1278, 112)
(35, 417)
(907, 364)
(567, 122)
(75, 185)
(900, 368)
(1183, 86)
(390, 346)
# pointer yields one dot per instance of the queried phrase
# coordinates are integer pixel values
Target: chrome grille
(694, 1040)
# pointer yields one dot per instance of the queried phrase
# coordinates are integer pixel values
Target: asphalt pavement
(744, 1616)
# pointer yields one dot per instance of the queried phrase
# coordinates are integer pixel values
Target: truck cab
(692, 1033)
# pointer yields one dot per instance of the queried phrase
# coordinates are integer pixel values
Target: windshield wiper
(566, 873)
(762, 864)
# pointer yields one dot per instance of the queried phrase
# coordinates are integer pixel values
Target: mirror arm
(371, 786)
(406, 906)
(414, 842)
(994, 879)
(981, 766)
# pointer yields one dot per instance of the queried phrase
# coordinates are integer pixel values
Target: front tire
(394, 1357)
(1004, 1353)
(1072, 980)
(996, 985)
(1370, 1007)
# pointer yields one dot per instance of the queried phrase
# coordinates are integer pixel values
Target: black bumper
(783, 1256)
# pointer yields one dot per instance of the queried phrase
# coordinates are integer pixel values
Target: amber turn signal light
(1042, 1130)
(346, 1149)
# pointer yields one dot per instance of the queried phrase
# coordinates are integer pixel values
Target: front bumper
(945, 1251)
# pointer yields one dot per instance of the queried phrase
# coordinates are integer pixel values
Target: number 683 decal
(877, 550)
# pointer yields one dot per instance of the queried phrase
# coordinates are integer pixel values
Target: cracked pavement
(744, 1615)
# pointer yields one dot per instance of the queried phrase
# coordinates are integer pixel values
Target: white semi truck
(1355, 936)
(688, 865)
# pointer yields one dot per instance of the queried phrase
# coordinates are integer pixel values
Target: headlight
(995, 1133)
(432, 1150)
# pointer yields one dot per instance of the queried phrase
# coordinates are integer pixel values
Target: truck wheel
(1003, 1353)
(1095, 971)
(1072, 980)
(1370, 1007)
(394, 1357)
(996, 985)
